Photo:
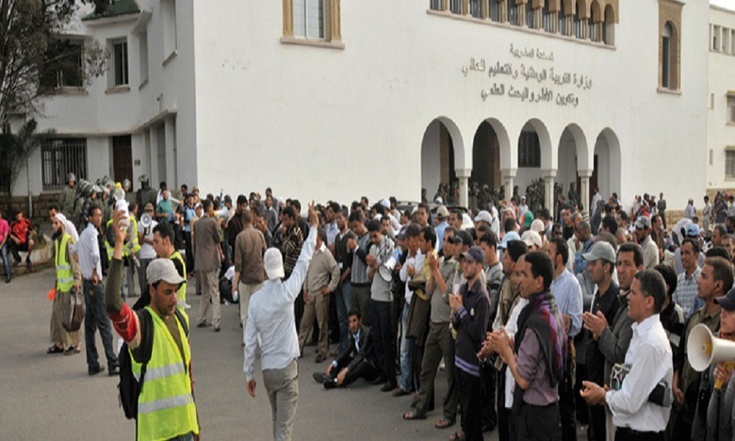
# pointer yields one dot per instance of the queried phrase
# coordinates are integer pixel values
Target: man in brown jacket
(208, 255)
(249, 271)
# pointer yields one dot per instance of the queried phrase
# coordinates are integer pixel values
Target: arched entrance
(573, 158)
(485, 177)
(438, 155)
(534, 157)
(607, 164)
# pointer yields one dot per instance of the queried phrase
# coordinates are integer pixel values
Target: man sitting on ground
(358, 360)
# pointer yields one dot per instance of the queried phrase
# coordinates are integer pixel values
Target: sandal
(413, 415)
(443, 423)
(457, 436)
(53, 349)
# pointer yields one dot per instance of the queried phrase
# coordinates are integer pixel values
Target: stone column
(463, 175)
(549, 176)
(508, 181)
(584, 191)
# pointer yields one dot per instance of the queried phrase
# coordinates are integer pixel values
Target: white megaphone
(146, 220)
(703, 348)
(386, 270)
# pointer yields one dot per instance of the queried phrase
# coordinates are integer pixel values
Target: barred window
(730, 164)
(529, 150)
(60, 157)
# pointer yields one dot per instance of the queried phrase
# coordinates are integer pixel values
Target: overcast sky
(725, 3)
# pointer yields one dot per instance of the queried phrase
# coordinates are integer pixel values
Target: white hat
(385, 203)
(273, 263)
(163, 269)
(532, 238)
(442, 212)
(484, 216)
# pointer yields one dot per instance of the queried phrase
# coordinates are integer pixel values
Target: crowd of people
(541, 323)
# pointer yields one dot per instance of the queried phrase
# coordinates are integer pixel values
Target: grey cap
(601, 250)
(475, 253)
(163, 269)
(643, 223)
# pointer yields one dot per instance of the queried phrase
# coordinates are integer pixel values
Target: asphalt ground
(51, 397)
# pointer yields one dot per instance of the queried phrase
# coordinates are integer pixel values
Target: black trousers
(487, 400)
(537, 423)
(567, 407)
(625, 434)
(365, 370)
(469, 395)
(385, 341)
(504, 415)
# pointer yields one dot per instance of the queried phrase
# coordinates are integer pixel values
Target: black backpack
(129, 388)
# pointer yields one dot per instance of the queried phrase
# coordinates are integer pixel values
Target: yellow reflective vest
(182, 289)
(64, 274)
(166, 406)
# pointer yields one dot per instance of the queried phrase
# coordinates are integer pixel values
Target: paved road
(51, 397)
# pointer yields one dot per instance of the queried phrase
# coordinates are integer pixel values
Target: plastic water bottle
(121, 204)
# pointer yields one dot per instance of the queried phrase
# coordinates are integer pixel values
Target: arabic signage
(540, 83)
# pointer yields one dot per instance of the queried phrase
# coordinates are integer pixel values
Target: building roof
(115, 9)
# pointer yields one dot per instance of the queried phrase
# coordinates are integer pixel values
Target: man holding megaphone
(715, 279)
(717, 357)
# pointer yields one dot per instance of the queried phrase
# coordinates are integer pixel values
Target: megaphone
(386, 270)
(145, 221)
(703, 348)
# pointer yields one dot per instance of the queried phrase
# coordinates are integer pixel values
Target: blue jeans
(342, 297)
(6, 262)
(406, 351)
(96, 318)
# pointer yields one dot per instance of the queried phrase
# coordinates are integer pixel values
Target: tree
(36, 58)
(15, 149)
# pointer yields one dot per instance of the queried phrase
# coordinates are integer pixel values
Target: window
(716, 38)
(726, 41)
(64, 65)
(435, 5)
(731, 108)
(475, 8)
(547, 17)
(579, 22)
(120, 62)
(494, 10)
(512, 12)
(563, 28)
(315, 22)
(730, 164)
(59, 157)
(143, 53)
(455, 6)
(529, 150)
(666, 56)
(168, 8)
(593, 27)
(608, 28)
(530, 16)
(308, 19)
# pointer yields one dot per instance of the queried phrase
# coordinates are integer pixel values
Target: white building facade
(324, 99)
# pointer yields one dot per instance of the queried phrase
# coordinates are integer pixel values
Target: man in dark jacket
(358, 360)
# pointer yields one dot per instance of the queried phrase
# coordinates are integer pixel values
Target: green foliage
(15, 149)
(32, 50)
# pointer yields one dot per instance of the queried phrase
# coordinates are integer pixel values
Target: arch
(506, 158)
(442, 150)
(608, 27)
(573, 154)
(548, 162)
(534, 155)
(582, 9)
(596, 11)
(607, 160)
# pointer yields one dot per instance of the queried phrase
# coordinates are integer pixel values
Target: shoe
(319, 358)
(387, 387)
(319, 377)
(202, 325)
(329, 383)
(400, 393)
(7, 279)
(380, 380)
(216, 328)
(114, 370)
(17, 262)
(95, 370)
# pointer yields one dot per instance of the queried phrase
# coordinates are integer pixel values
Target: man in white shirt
(147, 253)
(649, 359)
(95, 316)
(271, 316)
